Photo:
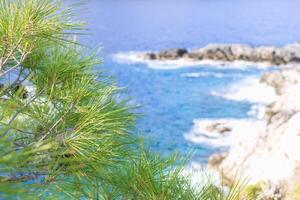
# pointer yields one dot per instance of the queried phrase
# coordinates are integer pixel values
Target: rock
(280, 117)
(223, 129)
(149, 56)
(232, 52)
(270, 153)
(194, 56)
(274, 79)
(272, 192)
(171, 54)
(241, 52)
(218, 127)
(269, 115)
(215, 160)
(212, 127)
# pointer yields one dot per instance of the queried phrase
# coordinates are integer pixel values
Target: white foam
(239, 129)
(257, 111)
(128, 57)
(213, 74)
(136, 57)
(249, 89)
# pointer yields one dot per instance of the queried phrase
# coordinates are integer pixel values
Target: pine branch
(57, 122)
(19, 111)
(3, 63)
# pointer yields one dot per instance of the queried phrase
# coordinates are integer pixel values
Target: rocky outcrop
(215, 160)
(170, 54)
(235, 52)
(272, 155)
(218, 127)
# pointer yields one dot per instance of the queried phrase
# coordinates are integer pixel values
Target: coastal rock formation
(170, 54)
(216, 159)
(218, 127)
(272, 155)
(234, 52)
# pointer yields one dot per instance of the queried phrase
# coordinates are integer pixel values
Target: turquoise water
(171, 100)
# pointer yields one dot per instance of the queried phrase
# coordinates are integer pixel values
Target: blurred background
(173, 97)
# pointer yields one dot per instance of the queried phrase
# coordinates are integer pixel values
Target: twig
(23, 57)
(11, 53)
(57, 123)
(17, 129)
(19, 111)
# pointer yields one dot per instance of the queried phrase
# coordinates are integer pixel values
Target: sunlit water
(172, 98)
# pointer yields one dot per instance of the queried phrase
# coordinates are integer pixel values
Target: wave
(257, 111)
(212, 74)
(237, 129)
(133, 57)
(249, 89)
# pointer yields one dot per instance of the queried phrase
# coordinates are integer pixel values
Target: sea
(173, 96)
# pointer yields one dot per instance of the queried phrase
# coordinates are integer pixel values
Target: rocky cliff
(270, 155)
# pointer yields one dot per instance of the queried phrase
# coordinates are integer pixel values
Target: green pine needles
(64, 131)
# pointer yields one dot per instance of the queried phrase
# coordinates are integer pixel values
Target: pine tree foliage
(64, 131)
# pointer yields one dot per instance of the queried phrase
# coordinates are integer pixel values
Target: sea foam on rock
(249, 89)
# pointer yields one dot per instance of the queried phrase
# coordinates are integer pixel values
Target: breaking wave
(249, 89)
(237, 128)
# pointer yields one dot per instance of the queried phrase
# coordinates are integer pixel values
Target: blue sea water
(170, 100)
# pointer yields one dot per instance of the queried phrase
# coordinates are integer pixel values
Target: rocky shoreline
(268, 153)
(270, 156)
(289, 54)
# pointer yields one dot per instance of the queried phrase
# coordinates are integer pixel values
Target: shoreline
(137, 57)
(253, 148)
(258, 155)
(269, 139)
(256, 146)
